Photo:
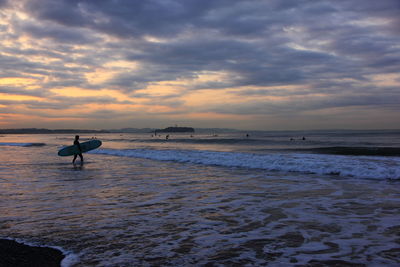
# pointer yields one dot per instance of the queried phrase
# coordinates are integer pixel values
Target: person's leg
(73, 161)
(80, 155)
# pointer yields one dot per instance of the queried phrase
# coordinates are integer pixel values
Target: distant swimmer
(76, 142)
(167, 137)
(303, 138)
(247, 135)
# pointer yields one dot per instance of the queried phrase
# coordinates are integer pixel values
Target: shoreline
(13, 253)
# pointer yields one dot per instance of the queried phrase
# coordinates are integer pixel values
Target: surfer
(76, 142)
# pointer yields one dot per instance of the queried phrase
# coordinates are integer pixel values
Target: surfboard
(85, 146)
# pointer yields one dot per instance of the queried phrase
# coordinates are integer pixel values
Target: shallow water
(130, 211)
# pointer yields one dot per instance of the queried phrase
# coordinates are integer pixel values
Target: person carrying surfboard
(77, 149)
(76, 142)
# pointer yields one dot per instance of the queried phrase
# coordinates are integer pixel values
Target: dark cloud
(79, 100)
(313, 104)
(63, 12)
(250, 63)
(272, 92)
(243, 37)
(19, 91)
(125, 18)
(55, 102)
(27, 67)
(13, 64)
(58, 33)
(3, 3)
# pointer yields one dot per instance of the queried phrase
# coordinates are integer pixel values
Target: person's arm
(76, 142)
(79, 147)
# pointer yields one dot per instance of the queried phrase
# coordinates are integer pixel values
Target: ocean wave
(356, 151)
(344, 166)
(337, 147)
(22, 144)
(222, 141)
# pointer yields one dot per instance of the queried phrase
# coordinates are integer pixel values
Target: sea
(281, 198)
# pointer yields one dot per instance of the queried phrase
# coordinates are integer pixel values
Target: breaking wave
(339, 165)
(356, 151)
(22, 144)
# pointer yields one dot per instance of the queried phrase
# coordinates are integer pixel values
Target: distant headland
(175, 129)
(47, 131)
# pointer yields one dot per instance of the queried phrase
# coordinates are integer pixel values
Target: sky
(255, 64)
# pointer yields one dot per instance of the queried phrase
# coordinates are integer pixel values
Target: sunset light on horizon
(257, 65)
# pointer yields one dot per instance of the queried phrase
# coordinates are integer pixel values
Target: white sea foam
(70, 258)
(344, 166)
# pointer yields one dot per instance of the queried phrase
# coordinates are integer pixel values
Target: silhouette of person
(76, 142)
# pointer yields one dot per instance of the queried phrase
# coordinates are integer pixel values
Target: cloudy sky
(255, 64)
